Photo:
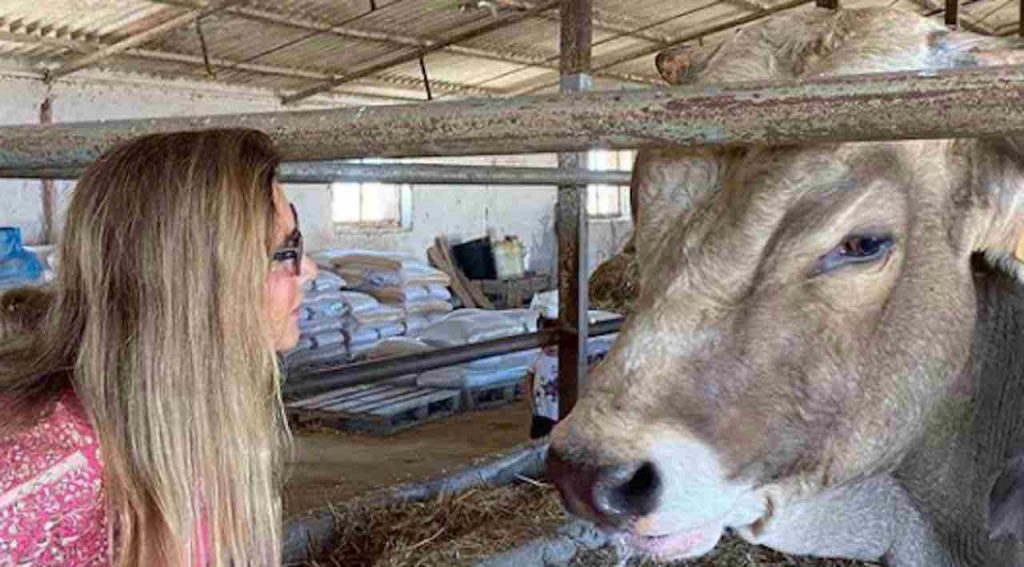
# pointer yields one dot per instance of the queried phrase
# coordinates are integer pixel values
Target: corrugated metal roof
(291, 45)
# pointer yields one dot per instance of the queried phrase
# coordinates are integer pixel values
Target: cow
(826, 356)
(21, 310)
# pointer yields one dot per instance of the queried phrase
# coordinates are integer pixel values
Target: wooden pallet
(376, 408)
(493, 395)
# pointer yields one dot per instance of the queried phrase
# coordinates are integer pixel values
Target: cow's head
(804, 310)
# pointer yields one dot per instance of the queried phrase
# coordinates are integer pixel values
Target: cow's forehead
(795, 185)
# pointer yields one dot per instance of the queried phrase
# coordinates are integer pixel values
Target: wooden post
(571, 216)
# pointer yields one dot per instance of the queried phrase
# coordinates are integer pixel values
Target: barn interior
(437, 254)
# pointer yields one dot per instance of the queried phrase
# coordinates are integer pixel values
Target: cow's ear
(1006, 502)
(995, 187)
(682, 64)
(668, 182)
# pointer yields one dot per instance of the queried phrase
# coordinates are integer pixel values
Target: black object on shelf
(476, 259)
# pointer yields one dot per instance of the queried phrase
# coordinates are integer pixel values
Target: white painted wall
(461, 212)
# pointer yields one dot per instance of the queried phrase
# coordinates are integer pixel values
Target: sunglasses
(289, 256)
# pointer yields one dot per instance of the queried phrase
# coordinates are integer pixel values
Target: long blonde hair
(155, 322)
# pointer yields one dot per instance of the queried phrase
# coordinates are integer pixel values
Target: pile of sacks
(322, 317)
(468, 326)
(395, 281)
(368, 321)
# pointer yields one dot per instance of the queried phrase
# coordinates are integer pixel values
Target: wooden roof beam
(256, 14)
(391, 61)
(85, 48)
(140, 38)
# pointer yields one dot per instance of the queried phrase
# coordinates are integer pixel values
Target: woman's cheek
(281, 298)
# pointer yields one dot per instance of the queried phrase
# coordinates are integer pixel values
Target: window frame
(401, 224)
(623, 209)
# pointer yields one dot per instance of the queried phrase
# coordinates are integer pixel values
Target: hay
(451, 530)
(614, 285)
(463, 529)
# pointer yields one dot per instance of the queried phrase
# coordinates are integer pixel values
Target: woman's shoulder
(51, 497)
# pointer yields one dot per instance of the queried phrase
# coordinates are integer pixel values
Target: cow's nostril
(626, 491)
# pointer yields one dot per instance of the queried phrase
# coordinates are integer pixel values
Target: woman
(142, 421)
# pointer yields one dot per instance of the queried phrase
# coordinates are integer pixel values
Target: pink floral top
(51, 496)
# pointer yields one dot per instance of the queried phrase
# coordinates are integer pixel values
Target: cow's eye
(856, 249)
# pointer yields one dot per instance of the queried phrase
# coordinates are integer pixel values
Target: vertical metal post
(571, 215)
(49, 189)
(953, 13)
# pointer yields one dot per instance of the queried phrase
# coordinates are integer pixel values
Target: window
(609, 201)
(371, 205)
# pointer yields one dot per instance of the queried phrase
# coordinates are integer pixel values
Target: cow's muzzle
(613, 496)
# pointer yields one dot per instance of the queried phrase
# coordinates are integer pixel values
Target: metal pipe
(884, 106)
(576, 38)
(398, 173)
(952, 13)
(327, 378)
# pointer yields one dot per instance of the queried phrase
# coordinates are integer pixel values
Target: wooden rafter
(83, 48)
(140, 38)
(347, 31)
(393, 60)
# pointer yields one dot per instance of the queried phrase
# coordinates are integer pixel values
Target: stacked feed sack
(396, 280)
(369, 321)
(322, 317)
(421, 303)
(546, 304)
(468, 326)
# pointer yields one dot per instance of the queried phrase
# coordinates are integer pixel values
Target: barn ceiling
(384, 48)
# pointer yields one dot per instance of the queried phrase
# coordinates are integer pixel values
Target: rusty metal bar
(390, 61)
(138, 39)
(885, 106)
(327, 378)
(48, 189)
(571, 215)
(952, 16)
(398, 173)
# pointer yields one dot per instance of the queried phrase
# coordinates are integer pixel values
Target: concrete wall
(461, 212)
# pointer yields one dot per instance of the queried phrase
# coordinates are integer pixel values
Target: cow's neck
(973, 437)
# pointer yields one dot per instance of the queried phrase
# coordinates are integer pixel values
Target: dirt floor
(333, 466)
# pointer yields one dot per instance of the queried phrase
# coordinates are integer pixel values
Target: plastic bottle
(508, 258)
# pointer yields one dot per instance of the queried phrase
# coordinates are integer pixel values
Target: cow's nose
(610, 495)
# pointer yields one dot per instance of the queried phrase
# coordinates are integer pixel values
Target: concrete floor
(334, 466)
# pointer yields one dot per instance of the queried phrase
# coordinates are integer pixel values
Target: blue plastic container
(17, 266)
